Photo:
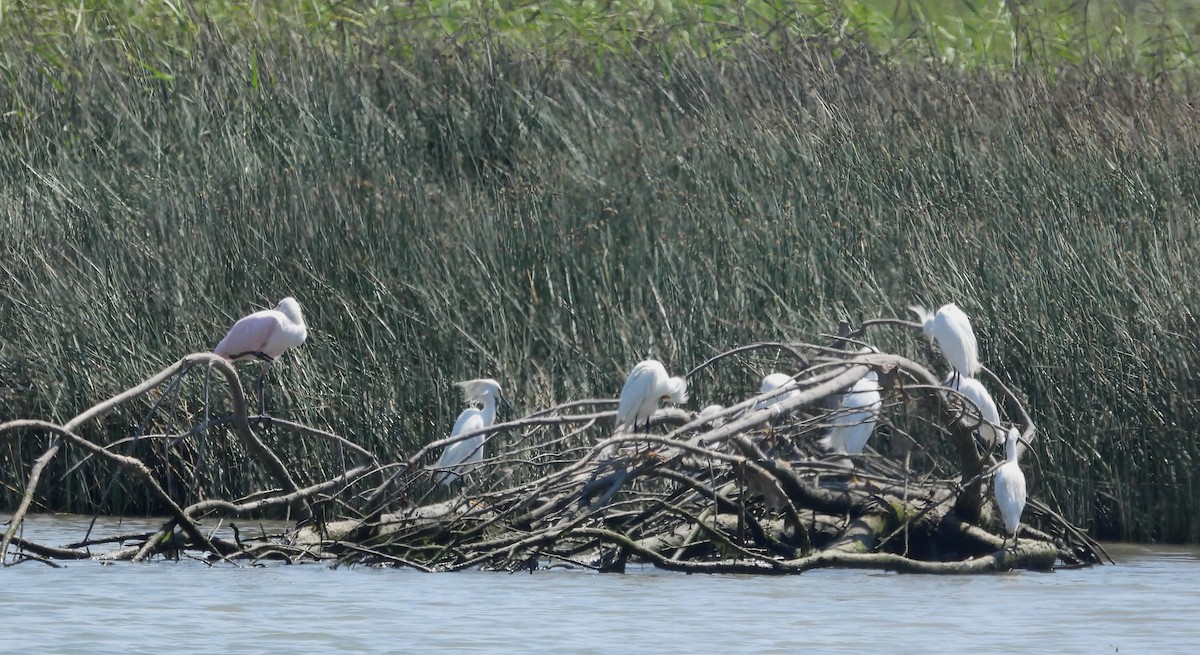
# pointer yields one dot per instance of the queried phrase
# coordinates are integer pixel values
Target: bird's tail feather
(923, 315)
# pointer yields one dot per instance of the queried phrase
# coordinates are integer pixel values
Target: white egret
(265, 335)
(1010, 487)
(974, 390)
(459, 457)
(712, 414)
(771, 383)
(857, 413)
(951, 330)
(647, 385)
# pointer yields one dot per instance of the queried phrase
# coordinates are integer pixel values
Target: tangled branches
(745, 488)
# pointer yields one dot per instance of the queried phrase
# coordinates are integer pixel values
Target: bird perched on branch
(712, 415)
(973, 389)
(265, 335)
(771, 383)
(1009, 483)
(951, 330)
(647, 385)
(857, 413)
(459, 457)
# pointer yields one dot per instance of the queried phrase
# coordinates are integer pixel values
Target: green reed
(551, 220)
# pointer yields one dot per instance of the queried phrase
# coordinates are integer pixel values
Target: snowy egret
(951, 330)
(771, 383)
(1010, 487)
(647, 385)
(457, 459)
(857, 413)
(974, 390)
(712, 414)
(265, 335)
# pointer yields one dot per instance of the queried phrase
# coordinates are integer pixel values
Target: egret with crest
(647, 385)
(951, 330)
(460, 457)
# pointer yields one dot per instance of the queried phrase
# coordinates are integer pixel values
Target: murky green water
(1148, 603)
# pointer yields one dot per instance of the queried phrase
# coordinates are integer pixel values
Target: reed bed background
(459, 193)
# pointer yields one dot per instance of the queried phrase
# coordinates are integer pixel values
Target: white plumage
(1009, 484)
(951, 330)
(857, 413)
(974, 390)
(771, 383)
(712, 415)
(647, 385)
(459, 457)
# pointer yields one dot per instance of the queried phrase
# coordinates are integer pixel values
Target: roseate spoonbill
(459, 457)
(951, 330)
(647, 385)
(856, 416)
(1009, 484)
(265, 335)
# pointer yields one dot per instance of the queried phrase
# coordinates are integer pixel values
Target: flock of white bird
(265, 335)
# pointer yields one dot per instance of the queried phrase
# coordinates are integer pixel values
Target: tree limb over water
(745, 490)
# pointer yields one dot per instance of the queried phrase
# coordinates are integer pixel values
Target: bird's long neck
(1010, 450)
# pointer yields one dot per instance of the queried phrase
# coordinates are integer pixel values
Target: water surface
(1148, 603)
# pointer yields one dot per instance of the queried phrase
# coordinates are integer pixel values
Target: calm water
(1148, 603)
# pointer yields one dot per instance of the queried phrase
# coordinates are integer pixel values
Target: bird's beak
(504, 401)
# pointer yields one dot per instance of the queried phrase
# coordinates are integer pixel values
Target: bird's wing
(639, 387)
(287, 335)
(469, 420)
(1010, 494)
(863, 395)
(957, 339)
(856, 435)
(249, 334)
(982, 399)
(856, 418)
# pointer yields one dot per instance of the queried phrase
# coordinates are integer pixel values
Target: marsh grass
(550, 220)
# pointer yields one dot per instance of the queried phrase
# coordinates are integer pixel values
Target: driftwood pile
(749, 491)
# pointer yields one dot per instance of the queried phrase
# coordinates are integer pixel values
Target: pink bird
(265, 335)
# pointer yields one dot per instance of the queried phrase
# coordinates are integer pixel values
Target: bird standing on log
(951, 330)
(459, 457)
(265, 335)
(647, 385)
(1009, 484)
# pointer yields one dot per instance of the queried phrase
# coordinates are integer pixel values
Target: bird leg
(262, 387)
